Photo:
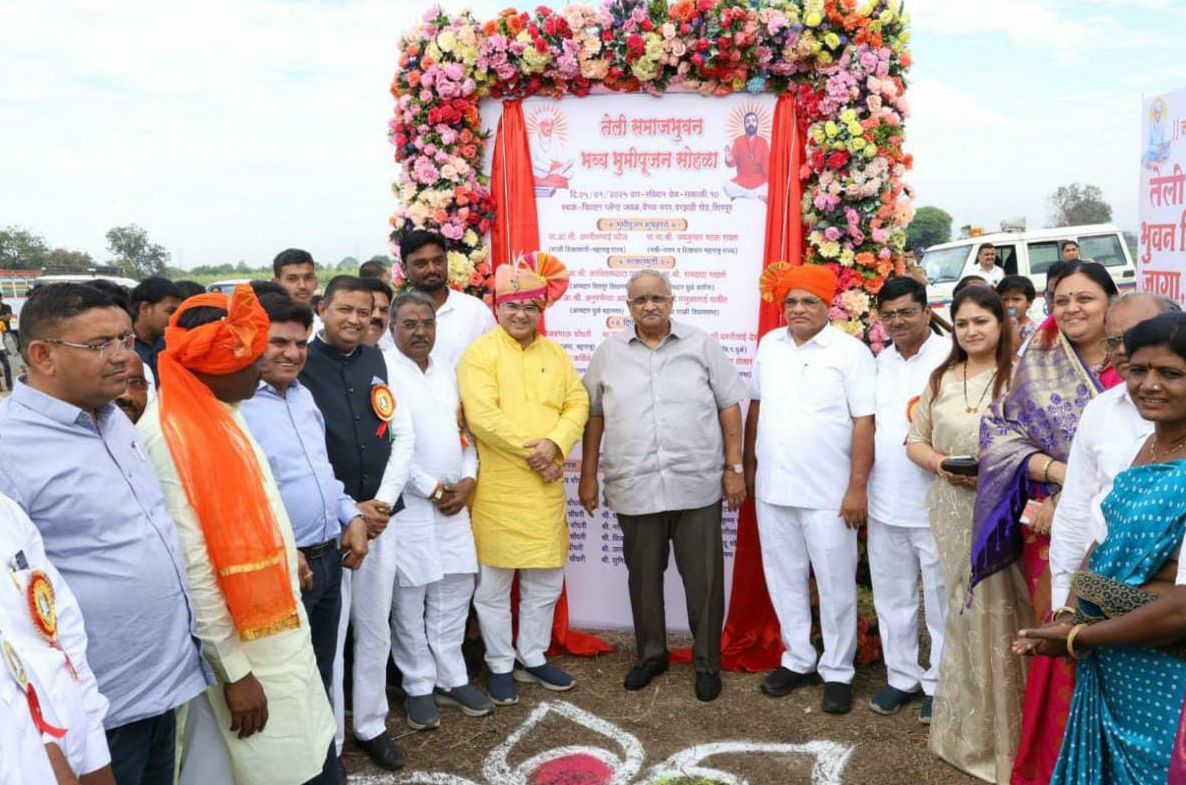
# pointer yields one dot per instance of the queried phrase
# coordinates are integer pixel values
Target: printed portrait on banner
(547, 134)
(748, 152)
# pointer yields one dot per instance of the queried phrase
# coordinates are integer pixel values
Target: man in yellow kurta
(527, 408)
(266, 720)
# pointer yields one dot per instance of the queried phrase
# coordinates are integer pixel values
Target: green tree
(65, 259)
(134, 254)
(21, 249)
(930, 226)
(1077, 204)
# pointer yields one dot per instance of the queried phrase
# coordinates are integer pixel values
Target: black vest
(341, 386)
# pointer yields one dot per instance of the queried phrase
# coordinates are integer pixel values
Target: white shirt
(1108, 437)
(386, 342)
(73, 705)
(804, 446)
(430, 544)
(897, 486)
(460, 319)
(994, 275)
(403, 441)
(23, 760)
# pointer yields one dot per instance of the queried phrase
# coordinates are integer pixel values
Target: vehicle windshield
(946, 264)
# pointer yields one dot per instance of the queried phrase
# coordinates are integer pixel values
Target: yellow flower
(813, 19)
(825, 58)
(470, 238)
(459, 267)
(849, 115)
(446, 41)
(829, 250)
(817, 134)
(847, 257)
(830, 129)
(832, 40)
(854, 128)
(858, 143)
(870, 150)
(433, 51)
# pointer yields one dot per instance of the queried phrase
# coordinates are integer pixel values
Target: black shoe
(708, 686)
(383, 751)
(837, 697)
(642, 675)
(783, 681)
(342, 775)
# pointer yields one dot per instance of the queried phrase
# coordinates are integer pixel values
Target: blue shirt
(91, 491)
(291, 431)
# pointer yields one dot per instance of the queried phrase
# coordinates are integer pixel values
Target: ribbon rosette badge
(383, 403)
(44, 610)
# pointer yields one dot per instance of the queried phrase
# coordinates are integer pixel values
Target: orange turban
(217, 464)
(535, 276)
(781, 277)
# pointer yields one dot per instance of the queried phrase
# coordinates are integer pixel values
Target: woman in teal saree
(1128, 693)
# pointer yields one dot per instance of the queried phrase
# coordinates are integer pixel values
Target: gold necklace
(1153, 448)
(968, 407)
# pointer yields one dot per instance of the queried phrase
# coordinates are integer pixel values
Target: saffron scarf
(217, 464)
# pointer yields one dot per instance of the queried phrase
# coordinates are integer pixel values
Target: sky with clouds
(230, 129)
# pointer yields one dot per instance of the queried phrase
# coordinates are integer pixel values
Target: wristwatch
(440, 492)
(737, 468)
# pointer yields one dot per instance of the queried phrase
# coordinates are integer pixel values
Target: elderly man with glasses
(665, 412)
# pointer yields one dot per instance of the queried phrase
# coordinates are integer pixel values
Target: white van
(1029, 254)
(227, 286)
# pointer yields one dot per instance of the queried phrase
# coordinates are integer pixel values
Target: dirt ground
(666, 719)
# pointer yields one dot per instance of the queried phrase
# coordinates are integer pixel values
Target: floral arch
(844, 61)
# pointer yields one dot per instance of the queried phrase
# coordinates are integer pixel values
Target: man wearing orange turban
(527, 408)
(267, 720)
(808, 457)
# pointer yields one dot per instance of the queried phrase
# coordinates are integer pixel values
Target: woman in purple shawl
(1025, 439)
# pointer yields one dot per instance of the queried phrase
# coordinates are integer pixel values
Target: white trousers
(370, 613)
(896, 556)
(735, 191)
(204, 756)
(339, 692)
(539, 589)
(796, 542)
(427, 630)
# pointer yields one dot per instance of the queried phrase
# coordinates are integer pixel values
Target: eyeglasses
(806, 302)
(411, 325)
(644, 300)
(1114, 341)
(104, 348)
(528, 308)
(903, 313)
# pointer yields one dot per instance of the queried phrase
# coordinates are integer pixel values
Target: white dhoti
(539, 589)
(796, 542)
(427, 630)
(897, 554)
(370, 613)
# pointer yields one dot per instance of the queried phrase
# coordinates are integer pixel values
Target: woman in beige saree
(977, 710)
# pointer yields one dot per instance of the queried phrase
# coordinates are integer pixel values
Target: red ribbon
(39, 718)
(381, 431)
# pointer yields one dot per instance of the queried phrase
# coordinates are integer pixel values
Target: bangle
(1054, 614)
(1071, 640)
(1046, 470)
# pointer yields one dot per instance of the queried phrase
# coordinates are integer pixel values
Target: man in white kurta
(810, 451)
(55, 668)
(900, 543)
(293, 743)
(1108, 436)
(436, 562)
(460, 318)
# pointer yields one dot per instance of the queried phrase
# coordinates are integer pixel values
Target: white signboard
(1161, 252)
(628, 182)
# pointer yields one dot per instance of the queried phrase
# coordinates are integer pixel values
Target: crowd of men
(210, 495)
